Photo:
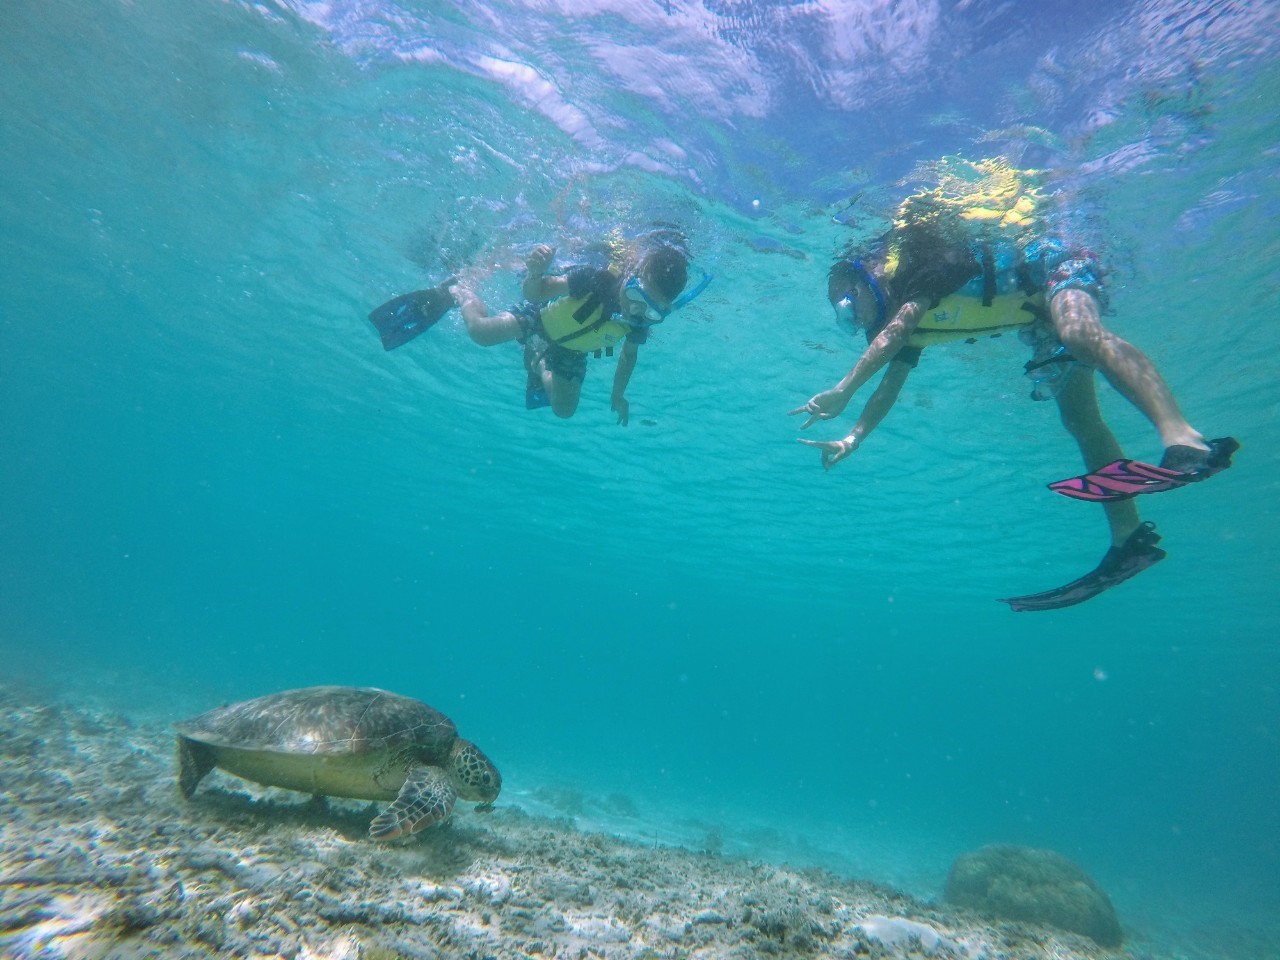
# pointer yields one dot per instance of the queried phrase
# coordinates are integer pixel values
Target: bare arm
(537, 287)
(831, 403)
(881, 400)
(621, 377)
(878, 406)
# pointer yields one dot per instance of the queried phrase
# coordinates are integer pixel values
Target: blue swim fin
(535, 394)
(401, 319)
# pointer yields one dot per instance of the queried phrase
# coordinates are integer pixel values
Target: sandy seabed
(100, 858)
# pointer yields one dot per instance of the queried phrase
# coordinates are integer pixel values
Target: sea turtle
(343, 742)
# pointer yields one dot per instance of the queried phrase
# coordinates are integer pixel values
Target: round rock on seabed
(1035, 886)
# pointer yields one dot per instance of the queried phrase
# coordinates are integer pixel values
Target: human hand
(833, 451)
(461, 291)
(539, 259)
(623, 409)
(823, 406)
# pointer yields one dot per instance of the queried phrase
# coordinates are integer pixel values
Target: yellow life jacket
(1002, 202)
(579, 323)
(962, 316)
(994, 206)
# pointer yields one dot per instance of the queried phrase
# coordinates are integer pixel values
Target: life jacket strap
(585, 309)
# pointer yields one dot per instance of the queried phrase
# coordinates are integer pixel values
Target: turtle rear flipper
(195, 759)
(426, 799)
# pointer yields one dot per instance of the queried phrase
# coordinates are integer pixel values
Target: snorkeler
(565, 317)
(972, 259)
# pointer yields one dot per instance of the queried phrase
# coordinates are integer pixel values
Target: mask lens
(847, 312)
(635, 294)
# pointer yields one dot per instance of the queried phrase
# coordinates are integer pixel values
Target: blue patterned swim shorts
(1051, 264)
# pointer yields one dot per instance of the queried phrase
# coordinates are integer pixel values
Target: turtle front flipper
(194, 761)
(425, 799)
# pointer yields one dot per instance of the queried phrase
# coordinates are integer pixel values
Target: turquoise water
(216, 484)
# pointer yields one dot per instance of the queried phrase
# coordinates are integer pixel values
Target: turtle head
(472, 773)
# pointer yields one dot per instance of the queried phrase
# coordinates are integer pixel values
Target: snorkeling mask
(1051, 365)
(1049, 375)
(635, 293)
(847, 306)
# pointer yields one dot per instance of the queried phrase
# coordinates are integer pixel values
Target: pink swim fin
(1125, 479)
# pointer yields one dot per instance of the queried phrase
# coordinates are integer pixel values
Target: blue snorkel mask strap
(689, 296)
(882, 307)
(681, 301)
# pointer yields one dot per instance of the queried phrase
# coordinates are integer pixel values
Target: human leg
(1133, 543)
(1078, 324)
(562, 372)
(562, 393)
(1078, 407)
(484, 328)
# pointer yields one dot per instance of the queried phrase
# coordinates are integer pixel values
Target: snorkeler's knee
(564, 410)
(563, 394)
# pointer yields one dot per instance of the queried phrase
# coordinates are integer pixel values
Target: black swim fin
(400, 320)
(1137, 554)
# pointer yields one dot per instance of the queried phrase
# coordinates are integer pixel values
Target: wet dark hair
(667, 269)
(843, 275)
(840, 279)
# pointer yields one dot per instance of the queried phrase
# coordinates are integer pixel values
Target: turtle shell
(327, 721)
